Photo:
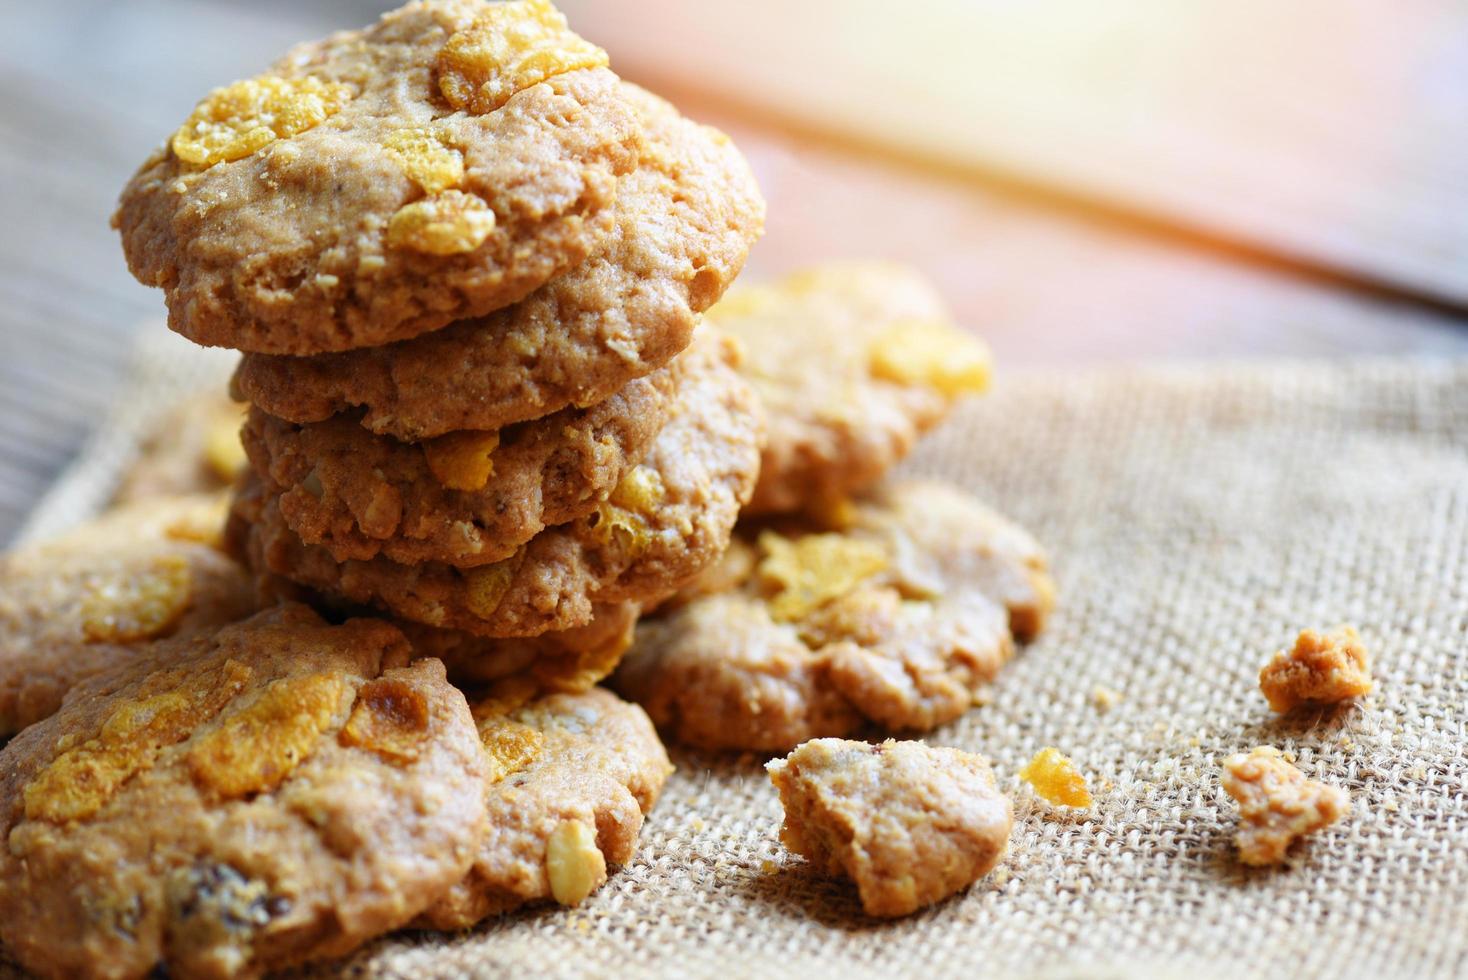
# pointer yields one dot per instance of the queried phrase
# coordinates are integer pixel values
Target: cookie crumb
(1105, 698)
(1056, 779)
(910, 824)
(1323, 668)
(1277, 804)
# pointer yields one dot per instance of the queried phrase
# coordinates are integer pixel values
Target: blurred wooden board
(1043, 286)
(1330, 133)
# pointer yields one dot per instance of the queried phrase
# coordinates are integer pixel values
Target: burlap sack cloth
(1197, 519)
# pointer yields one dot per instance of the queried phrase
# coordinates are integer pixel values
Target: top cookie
(853, 362)
(686, 218)
(280, 791)
(98, 596)
(381, 183)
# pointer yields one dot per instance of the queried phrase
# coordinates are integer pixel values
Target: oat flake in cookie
(571, 776)
(280, 791)
(97, 597)
(377, 184)
(466, 498)
(685, 218)
(894, 613)
(853, 362)
(668, 519)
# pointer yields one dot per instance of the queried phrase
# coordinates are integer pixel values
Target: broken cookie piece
(910, 824)
(1277, 804)
(894, 613)
(1323, 668)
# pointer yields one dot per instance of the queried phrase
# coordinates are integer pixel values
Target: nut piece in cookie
(1322, 668)
(571, 776)
(669, 518)
(377, 184)
(685, 219)
(1277, 804)
(910, 824)
(465, 498)
(237, 802)
(897, 617)
(853, 363)
(194, 449)
(98, 596)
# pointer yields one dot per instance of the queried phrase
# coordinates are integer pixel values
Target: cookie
(563, 661)
(571, 777)
(195, 448)
(1277, 804)
(279, 791)
(909, 823)
(896, 618)
(98, 596)
(669, 518)
(366, 189)
(686, 217)
(465, 498)
(853, 363)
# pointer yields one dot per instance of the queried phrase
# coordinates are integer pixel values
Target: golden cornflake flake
(511, 47)
(801, 575)
(447, 223)
(1056, 779)
(140, 607)
(239, 119)
(462, 460)
(933, 353)
(428, 161)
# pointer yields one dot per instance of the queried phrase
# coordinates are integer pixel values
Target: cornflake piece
(1321, 669)
(1056, 779)
(510, 48)
(239, 119)
(1277, 804)
(805, 573)
(462, 460)
(909, 823)
(141, 608)
(427, 160)
(933, 353)
(448, 223)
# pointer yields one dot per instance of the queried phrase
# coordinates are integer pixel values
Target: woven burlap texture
(1197, 518)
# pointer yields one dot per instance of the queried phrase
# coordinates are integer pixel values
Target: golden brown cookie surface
(350, 197)
(668, 518)
(853, 363)
(685, 218)
(98, 597)
(279, 791)
(195, 448)
(896, 618)
(466, 498)
(571, 777)
(909, 823)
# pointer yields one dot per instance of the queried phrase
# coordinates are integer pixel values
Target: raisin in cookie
(99, 595)
(571, 776)
(668, 518)
(895, 617)
(279, 791)
(466, 498)
(377, 184)
(853, 363)
(195, 448)
(686, 217)
(910, 824)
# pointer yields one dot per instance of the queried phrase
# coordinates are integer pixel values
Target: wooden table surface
(1215, 179)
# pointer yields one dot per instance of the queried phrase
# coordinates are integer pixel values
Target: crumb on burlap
(910, 824)
(1056, 779)
(1277, 804)
(1323, 668)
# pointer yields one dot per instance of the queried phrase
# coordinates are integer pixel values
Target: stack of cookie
(465, 264)
(847, 602)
